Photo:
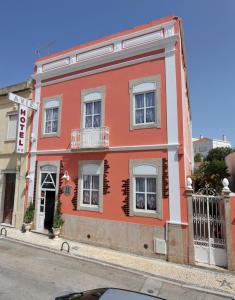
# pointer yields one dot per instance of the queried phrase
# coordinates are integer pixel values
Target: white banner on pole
(21, 129)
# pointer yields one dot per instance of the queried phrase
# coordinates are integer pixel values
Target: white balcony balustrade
(90, 138)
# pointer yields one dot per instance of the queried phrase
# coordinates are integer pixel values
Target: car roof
(117, 294)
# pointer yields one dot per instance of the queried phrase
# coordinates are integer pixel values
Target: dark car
(107, 294)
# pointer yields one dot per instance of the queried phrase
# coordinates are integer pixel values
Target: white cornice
(111, 149)
(96, 61)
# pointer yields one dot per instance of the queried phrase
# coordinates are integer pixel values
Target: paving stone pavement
(217, 281)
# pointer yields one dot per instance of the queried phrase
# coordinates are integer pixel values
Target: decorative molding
(111, 149)
(146, 38)
(94, 53)
(56, 64)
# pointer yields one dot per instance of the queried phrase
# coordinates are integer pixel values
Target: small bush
(29, 214)
(58, 221)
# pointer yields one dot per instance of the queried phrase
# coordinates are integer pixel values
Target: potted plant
(57, 224)
(28, 217)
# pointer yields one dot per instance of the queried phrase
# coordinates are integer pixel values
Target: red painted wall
(118, 171)
(232, 216)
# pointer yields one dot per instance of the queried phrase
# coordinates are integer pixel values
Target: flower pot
(56, 232)
(27, 227)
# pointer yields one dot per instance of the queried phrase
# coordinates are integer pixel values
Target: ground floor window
(90, 196)
(146, 187)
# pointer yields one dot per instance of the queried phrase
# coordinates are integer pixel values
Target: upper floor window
(92, 108)
(145, 102)
(51, 116)
(93, 114)
(12, 126)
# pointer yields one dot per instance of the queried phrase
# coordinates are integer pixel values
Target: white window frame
(51, 121)
(8, 125)
(51, 103)
(144, 108)
(145, 193)
(92, 113)
(93, 168)
(92, 95)
(146, 168)
(143, 86)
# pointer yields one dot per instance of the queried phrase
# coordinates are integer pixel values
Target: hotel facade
(112, 141)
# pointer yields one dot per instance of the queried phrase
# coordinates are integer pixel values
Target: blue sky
(28, 25)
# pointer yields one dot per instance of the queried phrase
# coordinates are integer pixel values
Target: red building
(112, 141)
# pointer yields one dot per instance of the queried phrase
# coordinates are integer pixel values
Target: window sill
(156, 215)
(49, 135)
(89, 208)
(144, 126)
(10, 141)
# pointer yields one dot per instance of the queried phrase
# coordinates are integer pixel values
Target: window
(145, 102)
(51, 120)
(51, 116)
(146, 187)
(145, 193)
(90, 185)
(145, 108)
(90, 189)
(92, 108)
(93, 114)
(12, 126)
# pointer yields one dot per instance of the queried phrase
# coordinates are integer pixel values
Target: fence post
(189, 192)
(228, 227)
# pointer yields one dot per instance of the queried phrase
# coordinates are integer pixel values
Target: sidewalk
(187, 276)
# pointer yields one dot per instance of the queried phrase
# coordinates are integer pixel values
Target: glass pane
(95, 198)
(48, 127)
(151, 185)
(140, 184)
(150, 116)
(97, 107)
(139, 101)
(54, 177)
(150, 99)
(48, 114)
(96, 121)
(151, 202)
(54, 126)
(95, 182)
(43, 176)
(55, 113)
(89, 108)
(139, 116)
(41, 209)
(88, 122)
(86, 197)
(86, 181)
(49, 185)
(140, 202)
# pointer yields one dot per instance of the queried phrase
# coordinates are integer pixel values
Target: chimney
(224, 138)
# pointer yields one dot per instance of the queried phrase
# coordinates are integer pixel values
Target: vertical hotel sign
(21, 129)
(23, 105)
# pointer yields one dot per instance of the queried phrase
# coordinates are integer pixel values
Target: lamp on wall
(28, 177)
(66, 176)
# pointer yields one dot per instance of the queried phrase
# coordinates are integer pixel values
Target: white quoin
(226, 185)
(189, 183)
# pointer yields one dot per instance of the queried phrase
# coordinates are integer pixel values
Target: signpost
(24, 104)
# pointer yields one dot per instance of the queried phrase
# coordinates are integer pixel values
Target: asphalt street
(29, 273)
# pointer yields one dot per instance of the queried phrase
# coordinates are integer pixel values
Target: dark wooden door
(49, 209)
(10, 179)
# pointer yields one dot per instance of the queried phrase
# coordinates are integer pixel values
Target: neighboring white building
(203, 145)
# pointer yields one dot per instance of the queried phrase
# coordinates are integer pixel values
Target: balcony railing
(90, 138)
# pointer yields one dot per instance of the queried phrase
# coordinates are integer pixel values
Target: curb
(118, 267)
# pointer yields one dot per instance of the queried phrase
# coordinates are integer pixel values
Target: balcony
(90, 138)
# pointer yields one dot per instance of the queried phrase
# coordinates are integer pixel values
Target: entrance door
(10, 179)
(49, 209)
(209, 230)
